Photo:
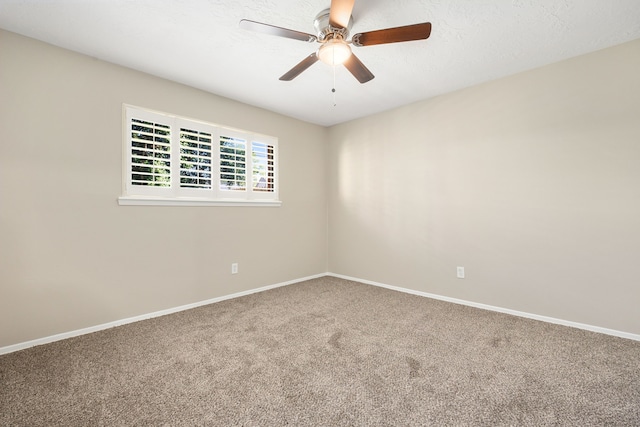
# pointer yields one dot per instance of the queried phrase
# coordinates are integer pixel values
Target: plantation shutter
(233, 163)
(171, 160)
(195, 159)
(150, 153)
(263, 165)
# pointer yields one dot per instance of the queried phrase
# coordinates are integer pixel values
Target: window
(171, 160)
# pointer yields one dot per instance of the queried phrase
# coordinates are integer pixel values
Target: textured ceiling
(199, 43)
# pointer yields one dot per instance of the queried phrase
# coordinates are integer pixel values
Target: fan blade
(393, 35)
(259, 27)
(340, 13)
(357, 68)
(302, 65)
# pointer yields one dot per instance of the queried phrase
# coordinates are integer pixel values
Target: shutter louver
(195, 159)
(150, 153)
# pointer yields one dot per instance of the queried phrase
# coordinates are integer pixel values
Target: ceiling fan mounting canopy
(325, 30)
(332, 31)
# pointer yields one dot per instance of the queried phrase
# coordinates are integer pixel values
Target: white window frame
(177, 195)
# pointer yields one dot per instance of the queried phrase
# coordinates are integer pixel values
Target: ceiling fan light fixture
(333, 26)
(334, 52)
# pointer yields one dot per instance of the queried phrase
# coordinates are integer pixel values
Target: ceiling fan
(332, 26)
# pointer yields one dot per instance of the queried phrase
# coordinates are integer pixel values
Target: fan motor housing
(324, 29)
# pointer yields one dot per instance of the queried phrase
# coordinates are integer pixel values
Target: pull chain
(333, 90)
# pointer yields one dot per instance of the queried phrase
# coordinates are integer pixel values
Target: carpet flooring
(326, 352)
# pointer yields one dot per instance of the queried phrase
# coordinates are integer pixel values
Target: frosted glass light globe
(334, 52)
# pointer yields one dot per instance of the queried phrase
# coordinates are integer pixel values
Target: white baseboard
(586, 327)
(58, 337)
(65, 335)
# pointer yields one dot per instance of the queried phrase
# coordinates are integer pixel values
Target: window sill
(192, 201)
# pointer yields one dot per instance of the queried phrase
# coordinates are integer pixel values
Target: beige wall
(531, 182)
(71, 257)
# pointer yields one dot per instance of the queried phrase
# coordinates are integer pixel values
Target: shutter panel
(263, 165)
(233, 163)
(195, 159)
(150, 153)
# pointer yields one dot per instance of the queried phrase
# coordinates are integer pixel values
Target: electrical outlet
(234, 268)
(460, 272)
